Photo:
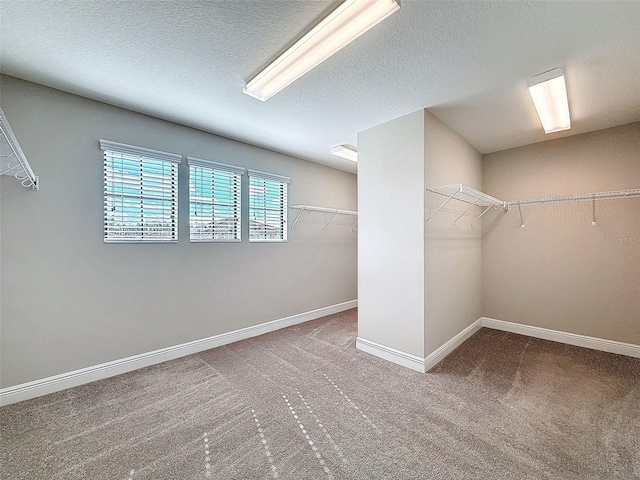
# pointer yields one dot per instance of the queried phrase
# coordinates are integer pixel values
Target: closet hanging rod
(332, 211)
(18, 166)
(581, 197)
(311, 208)
(475, 197)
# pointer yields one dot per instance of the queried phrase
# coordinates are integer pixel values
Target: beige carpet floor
(302, 403)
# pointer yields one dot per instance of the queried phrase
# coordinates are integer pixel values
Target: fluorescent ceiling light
(549, 93)
(345, 151)
(343, 25)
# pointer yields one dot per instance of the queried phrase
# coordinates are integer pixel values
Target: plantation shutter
(214, 201)
(267, 207)
(140, 194)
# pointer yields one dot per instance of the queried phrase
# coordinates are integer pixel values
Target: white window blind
(267, 207)
(214, 201)
(140, 194)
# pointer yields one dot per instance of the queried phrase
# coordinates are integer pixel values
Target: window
(140, 194)
(267, 207)
(214, 201)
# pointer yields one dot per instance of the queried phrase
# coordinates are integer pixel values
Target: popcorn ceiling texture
(304, 403)
(468, 62)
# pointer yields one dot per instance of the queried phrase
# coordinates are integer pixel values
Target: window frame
(171, 180)
(226, 169)
(284, 187)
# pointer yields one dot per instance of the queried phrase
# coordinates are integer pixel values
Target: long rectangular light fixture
(549, 93)
(347, 22)
(345, 151)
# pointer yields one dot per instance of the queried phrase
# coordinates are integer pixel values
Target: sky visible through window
(267, 209)
(140, 198)
(214, 204)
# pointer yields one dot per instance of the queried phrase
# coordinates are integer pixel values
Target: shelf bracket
(481, 215)
(354, 225)
(441, 206)
(465, 212)
(293, 226)
(593, 221)
(521, 220)
(327, 224)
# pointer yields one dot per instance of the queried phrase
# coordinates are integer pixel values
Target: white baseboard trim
(391, 354)
(63, 381)
(593, 343)
(441, 352)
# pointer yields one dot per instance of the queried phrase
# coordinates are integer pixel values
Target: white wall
(70, 301)
(419, 283)
(391, 234)
(559, 271)
(453, 291)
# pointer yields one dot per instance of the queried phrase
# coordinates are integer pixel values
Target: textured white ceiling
(468, 62)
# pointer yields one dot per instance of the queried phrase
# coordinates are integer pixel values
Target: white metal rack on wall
(477, 198)
(466, 194)
(12, 159)
(332, 211)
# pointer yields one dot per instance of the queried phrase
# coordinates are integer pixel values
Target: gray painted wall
(70, 301)
(453, 292)
(559, 271)
(391, 237)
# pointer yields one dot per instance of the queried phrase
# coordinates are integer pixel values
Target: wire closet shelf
(581, 197)
(332, 211)
(474, 197)
(466, 194)
(12, 159)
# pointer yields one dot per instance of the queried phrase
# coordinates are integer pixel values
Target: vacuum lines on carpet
(303, 403)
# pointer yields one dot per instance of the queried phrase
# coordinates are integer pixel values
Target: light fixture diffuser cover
(549, 93)
(347, 22)
(345, 151)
